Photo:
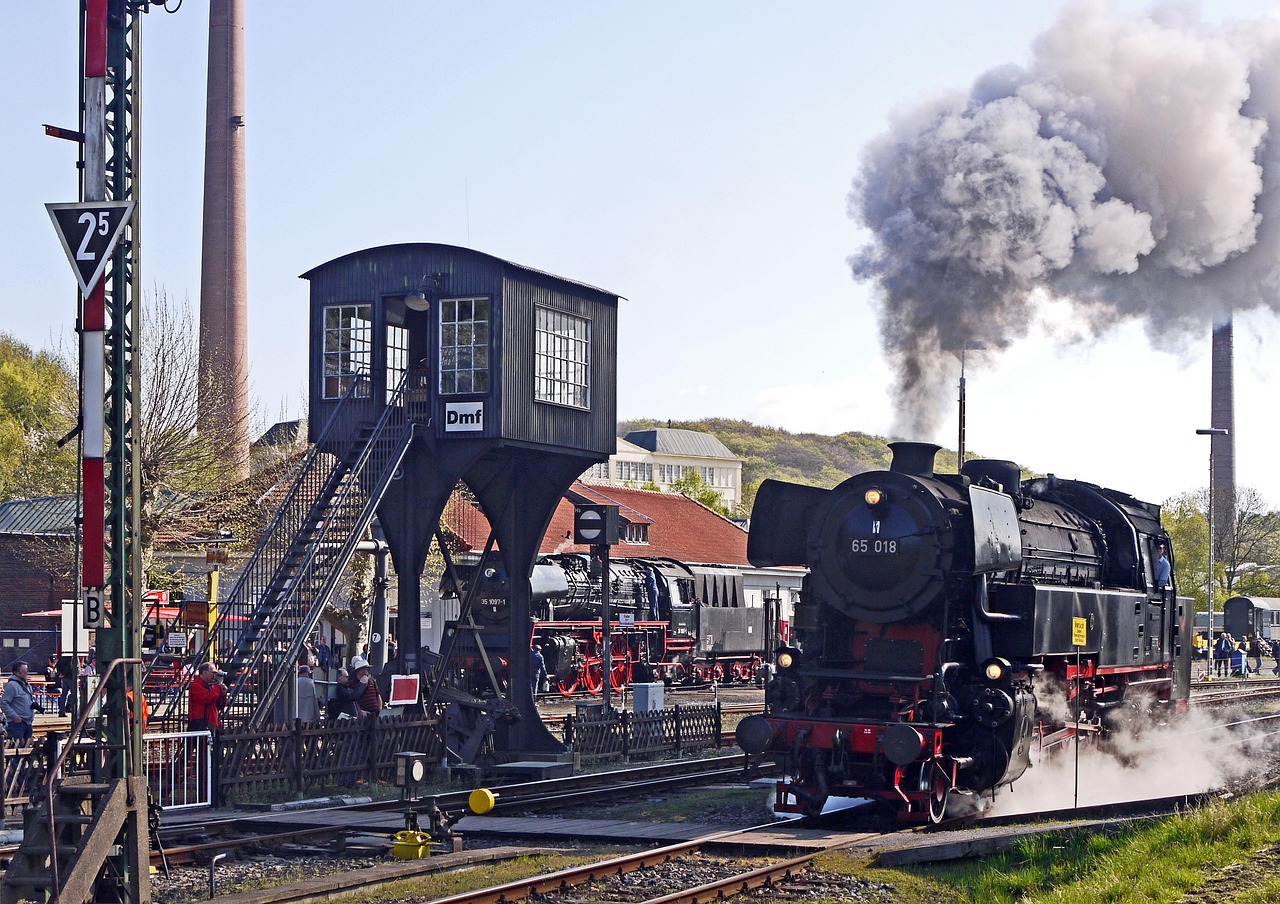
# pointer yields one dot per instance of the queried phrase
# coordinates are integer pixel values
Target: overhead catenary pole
(1213, 433)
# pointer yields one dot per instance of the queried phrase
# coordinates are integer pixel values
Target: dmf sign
(463, 417)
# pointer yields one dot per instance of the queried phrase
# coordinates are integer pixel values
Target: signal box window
(397, 357)
(562, 365)
(348, 348)
(464, 345)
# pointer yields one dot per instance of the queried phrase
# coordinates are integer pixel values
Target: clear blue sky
(692, 157)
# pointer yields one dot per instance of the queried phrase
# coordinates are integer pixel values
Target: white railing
(179, 768)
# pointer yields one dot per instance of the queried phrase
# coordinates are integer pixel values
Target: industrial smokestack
(1223, 414)
(224, 351)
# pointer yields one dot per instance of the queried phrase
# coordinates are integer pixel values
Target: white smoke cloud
(1196, 751)
(1130, 169)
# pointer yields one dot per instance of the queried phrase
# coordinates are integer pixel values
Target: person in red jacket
(205, 699)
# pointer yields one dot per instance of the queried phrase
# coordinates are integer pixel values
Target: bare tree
(178, 464)
(1255, 537)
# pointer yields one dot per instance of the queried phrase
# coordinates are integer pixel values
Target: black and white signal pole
(596, 526)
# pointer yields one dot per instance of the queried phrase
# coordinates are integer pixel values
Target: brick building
(37, 572)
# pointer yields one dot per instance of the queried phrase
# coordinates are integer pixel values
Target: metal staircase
(264, 621)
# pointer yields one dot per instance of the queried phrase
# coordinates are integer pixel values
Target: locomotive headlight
(996, 669)
(785, 661)
(873, 496)
(787, 658)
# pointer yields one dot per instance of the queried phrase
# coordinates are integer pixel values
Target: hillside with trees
(771, 452)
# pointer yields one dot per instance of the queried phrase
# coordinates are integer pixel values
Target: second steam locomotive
(949, 623)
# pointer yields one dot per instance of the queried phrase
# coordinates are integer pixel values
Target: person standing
(19, 703)
(369, 701)
(324, 656)
(537, 668)
(67, 685)
(308, 704)
(205, 699)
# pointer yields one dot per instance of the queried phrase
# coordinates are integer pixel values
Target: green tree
(38, 407)
(1245, 563)
(1185, 520)
(693, 485)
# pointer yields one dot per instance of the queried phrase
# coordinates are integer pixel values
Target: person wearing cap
(343, 703)
(207, 696)
(369, 701)
(308, 705)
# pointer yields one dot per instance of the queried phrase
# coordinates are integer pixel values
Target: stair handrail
(67, 748)
(395, 409)
(321, 596)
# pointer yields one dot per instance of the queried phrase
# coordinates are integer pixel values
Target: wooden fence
(600, 736)
(303, 757)
(300, 758)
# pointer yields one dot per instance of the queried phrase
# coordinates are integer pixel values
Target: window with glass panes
(348, 348)
(562, 358)
(464, 345)
(397, 357)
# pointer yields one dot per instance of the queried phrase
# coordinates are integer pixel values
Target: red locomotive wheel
(568, 685)
(717, 672)
(593, 678)
(620, 675)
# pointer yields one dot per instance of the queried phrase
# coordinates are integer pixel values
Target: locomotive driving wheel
(568, 685)
(938, 797)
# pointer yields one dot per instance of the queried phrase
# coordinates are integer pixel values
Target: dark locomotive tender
(941, 621)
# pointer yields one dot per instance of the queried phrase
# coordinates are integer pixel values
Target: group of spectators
(1232, 656)
(355, 693)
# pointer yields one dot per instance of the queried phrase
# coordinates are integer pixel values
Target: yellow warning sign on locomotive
(1079, 632)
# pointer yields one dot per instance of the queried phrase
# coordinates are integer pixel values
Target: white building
(663, 455)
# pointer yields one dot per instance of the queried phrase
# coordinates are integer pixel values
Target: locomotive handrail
(980, 605)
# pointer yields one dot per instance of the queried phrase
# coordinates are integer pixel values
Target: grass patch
(1222, 852)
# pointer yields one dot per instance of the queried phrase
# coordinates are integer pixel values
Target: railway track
(689, 871)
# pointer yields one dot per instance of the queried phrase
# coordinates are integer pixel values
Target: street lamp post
(1211, 432)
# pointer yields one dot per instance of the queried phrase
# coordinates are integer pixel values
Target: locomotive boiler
(951, 623)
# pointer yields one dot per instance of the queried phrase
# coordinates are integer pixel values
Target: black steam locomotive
(669, 621)
(951, 622)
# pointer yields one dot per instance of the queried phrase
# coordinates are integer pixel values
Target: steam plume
(1130, 170)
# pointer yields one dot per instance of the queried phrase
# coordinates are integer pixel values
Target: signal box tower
(508, 378)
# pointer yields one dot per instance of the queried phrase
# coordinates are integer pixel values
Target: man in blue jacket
(19, 703)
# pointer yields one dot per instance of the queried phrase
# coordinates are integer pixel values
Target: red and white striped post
(94, 317)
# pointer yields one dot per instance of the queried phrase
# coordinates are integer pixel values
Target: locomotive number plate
(875, 547)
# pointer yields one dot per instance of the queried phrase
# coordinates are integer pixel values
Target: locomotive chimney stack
(913, 458)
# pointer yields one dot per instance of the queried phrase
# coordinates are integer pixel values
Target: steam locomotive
(669, 621)
(949, 623)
